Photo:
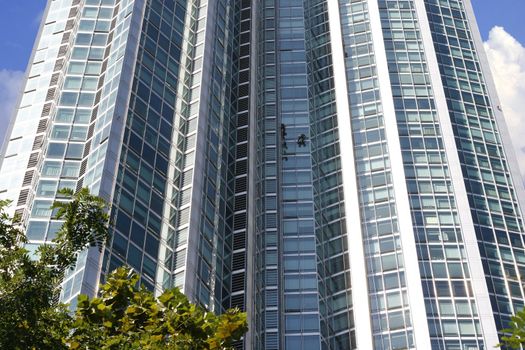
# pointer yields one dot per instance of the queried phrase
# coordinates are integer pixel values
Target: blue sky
(19, 21)
(505, 13)
(500, 21)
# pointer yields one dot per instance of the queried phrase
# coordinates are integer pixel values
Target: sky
(500, 23)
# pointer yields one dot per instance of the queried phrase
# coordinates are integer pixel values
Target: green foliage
(30, 315)
(125, 316)
(516, 332)
(86, 224)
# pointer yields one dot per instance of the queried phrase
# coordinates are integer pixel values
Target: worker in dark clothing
(301, 140)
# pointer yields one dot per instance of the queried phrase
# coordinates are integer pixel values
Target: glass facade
(387, 287)
(268, 280)
(445, 275)
(490, 188)
(336, 168)
(333, 266)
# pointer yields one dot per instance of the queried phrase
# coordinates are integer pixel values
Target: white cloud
(507, 62)
(10, 85)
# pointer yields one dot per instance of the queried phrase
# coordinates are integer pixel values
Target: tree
(30, 314)
(516, 332)
(125, 316)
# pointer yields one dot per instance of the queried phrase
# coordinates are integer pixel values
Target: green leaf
(123, 315)
(141, 321)
(30, 315)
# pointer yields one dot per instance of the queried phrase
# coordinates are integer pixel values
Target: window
(310, 323)
(46, 188)
(463, 308)
(90, 12)
(76, 68)
(103, 26)
(41, 208)
(293, 302)
(60, 132)
(93, 68)
(54, 227)
(36, 230)
(99, 39)
(293, 323)
(69, 98)
(389, 262)
(134, 257)
(442, 289)
(82, 116)
(67, 184)
(466, 328)
(56, 150)
(51, 168)
(71, 169)
(64, 115)
(450, 328)
(72, 83)
(86, 99)
(80, 53)
(75, 150)
(395, 320)
(83, 39)
(87, 25)
(89, 84)
(393, 300)
(79, 133)
(293, 342)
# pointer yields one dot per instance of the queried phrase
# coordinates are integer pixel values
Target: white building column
(477, 274)
(361, 307)
(406, 227)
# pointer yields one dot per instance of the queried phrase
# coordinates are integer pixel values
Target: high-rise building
(340, 169)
